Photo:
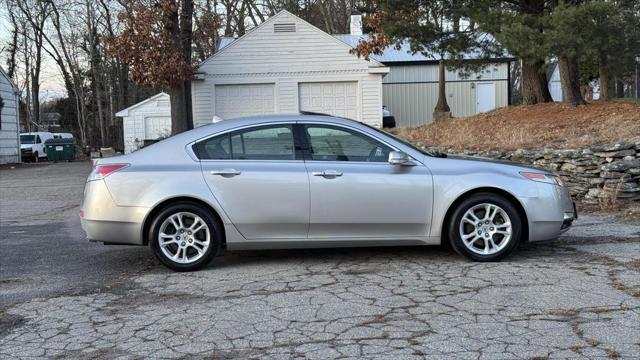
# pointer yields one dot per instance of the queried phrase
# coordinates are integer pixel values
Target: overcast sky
(51, 84)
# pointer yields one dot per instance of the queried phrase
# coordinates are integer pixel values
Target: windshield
(27, 139)
(399, 139)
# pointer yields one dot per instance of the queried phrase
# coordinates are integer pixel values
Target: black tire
(455, 237)
(36, 158)
(215, 230)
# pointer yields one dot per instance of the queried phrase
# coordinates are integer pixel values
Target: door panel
(256, 177)
(369, 200)
(355, 192)
(266, 200)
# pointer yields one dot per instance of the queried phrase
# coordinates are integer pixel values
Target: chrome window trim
(250, 160)
(189, 146)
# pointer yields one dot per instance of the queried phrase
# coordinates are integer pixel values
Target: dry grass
(552, 125)
(609, 202)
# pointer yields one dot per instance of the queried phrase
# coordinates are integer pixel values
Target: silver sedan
(306, 181)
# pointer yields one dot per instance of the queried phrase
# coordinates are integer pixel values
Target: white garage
(285, 66)
(147, 120)
(244, 100)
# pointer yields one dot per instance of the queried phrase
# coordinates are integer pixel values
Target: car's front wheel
(485, 227)
(185, 236)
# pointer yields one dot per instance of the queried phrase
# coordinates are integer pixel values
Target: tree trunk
(604, 81)
(96, 74)
(534, 83)
(179, 108)
(442, 110)
(570, 81)
(35, 99)
(619, 88)
(180, 26)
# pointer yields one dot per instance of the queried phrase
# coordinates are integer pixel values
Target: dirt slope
(545, 125)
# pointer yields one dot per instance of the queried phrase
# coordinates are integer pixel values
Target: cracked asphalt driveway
(576, 297)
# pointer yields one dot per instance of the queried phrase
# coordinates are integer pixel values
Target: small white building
(147, 120)
(286, 65)
(9, 120)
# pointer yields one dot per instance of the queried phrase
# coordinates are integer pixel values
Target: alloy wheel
(184, 237)
(485, 229)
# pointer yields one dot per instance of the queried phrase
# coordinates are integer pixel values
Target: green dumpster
(60, 149)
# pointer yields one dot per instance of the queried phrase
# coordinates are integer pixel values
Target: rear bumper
(103, 221)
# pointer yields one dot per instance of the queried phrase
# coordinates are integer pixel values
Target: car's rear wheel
(185, 236)
(485, 227)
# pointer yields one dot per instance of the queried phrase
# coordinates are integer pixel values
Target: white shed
(9, 120)
(286, 65)
(147, 120)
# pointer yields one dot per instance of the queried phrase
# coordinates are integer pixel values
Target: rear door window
(257, 143)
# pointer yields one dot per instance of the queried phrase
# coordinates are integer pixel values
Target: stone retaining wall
(592, 174)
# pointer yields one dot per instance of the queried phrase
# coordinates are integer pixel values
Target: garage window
(258, 143)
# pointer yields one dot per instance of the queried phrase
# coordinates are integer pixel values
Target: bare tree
(36, 14)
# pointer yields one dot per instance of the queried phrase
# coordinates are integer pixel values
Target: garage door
(334, 98)
(234, 101)
(156, 126)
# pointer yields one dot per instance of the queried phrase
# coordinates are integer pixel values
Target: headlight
(545, 178)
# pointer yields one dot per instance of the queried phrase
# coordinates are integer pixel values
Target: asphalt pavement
(62, 296)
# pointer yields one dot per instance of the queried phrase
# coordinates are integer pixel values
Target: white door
(556, 90)
(485, 97)
(333, 98)
(234, 101)
(157, 126)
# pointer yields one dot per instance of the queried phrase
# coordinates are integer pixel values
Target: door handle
(226, 172)
(327, 173)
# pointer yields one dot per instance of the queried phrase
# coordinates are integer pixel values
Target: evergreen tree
(519, 26)
(432, 28)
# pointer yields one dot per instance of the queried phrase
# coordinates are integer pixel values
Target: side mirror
(399, 158)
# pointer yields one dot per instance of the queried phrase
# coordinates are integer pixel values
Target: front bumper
(26, 153)
(569, 217)
(103, 221)
(551, 213)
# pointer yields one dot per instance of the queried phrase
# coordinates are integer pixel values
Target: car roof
(271, 119)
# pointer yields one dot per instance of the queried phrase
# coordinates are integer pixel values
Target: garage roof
(391, 53)
(125, 112)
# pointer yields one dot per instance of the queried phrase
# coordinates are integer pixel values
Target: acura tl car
(309, 181)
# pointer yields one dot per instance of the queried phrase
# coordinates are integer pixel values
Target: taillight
(107, 169)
